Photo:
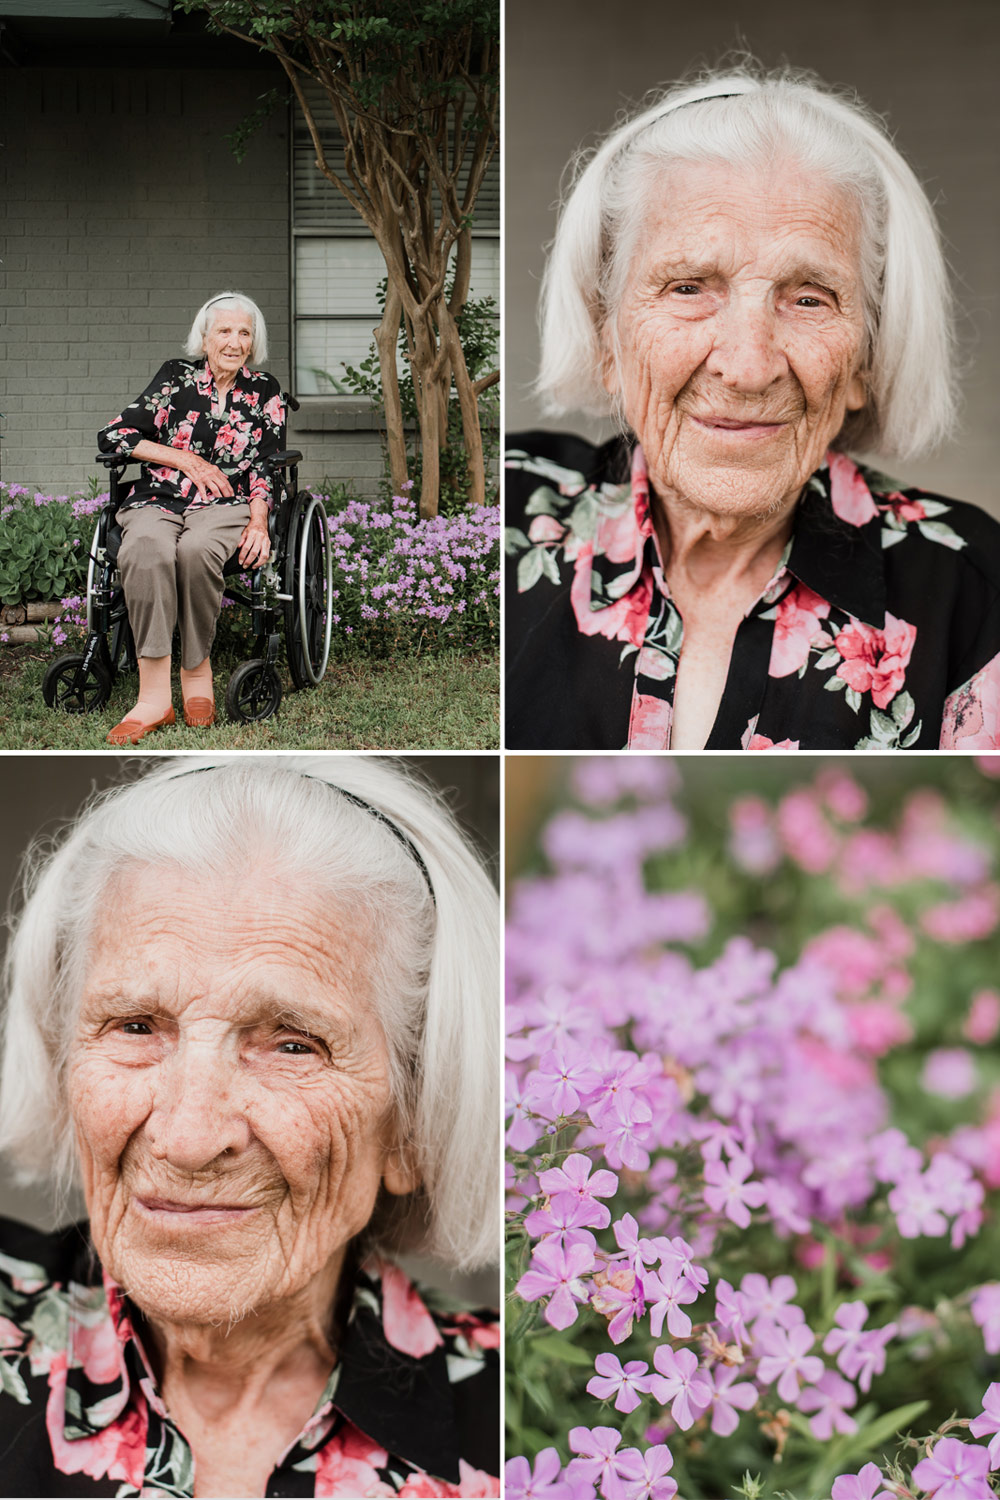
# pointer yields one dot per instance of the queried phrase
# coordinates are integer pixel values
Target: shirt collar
(835, 548)
(399, 1399)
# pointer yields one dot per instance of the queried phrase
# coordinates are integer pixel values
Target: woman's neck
(708, 550)
(224, 380)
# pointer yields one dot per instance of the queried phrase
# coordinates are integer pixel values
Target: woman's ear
(400, 1174)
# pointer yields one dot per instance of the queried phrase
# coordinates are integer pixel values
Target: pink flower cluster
(658, 1109)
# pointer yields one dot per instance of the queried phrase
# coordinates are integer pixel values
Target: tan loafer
(131, 731)
(199, 713)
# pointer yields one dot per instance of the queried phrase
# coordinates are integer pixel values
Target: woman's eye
(295, 1048)
(136, 1028)
(688, 288)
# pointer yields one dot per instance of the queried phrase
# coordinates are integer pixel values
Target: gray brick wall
(124, 210)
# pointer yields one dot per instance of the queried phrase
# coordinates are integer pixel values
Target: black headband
(367, 807)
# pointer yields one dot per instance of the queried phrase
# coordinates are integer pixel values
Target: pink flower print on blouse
(761, 742)
(649, 728)
(408, 1325)
(117, 1452)
(545, 529)
(849, 495)
(875, 661)
(274, 410)
(346, 1466)
(624, 620)
(797, 624)
(971, 719)
(904, 507)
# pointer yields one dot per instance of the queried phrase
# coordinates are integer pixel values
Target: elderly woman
(749, 277)
(252, 1011)
(204, 429)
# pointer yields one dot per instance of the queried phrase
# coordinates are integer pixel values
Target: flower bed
(754, 1132)
(399, 583)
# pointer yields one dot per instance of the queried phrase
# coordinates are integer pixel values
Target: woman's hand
(209, 481)
(255, 544)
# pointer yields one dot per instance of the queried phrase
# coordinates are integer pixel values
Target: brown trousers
(171, 569)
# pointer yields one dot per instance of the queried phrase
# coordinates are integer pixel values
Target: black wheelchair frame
(293, 589)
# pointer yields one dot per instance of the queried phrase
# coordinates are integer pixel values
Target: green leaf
(562, 1351)
(835, 685)
(937, 531)
(13, 1384)
(514, 540)
(529, 569)
(882, 726)
(583, 518)
(902, 707)
(828, 659)
(543, 502)
(549, 565)
(853, 699)
(890, 538)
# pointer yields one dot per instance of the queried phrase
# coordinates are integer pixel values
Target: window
(337, 266)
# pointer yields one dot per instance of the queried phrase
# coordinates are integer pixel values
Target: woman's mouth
(738, 427)
(167, 1212)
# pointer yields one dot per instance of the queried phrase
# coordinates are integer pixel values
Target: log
(22, 614)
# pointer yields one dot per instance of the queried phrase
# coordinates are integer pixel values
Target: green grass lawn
(448, 701)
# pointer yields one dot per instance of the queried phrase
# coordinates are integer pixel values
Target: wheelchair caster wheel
(254, 692)
(61, 690)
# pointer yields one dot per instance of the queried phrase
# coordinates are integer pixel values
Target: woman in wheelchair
(203, 428)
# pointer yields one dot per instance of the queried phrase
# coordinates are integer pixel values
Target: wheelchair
(292, 590)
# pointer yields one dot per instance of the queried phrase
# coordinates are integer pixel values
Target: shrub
(755, 1142)
(44, 540)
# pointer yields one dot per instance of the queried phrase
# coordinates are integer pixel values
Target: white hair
(746, 116)
(194, 348)
(434, 959)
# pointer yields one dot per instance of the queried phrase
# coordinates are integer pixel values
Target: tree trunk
(386, 340)
(471, 431)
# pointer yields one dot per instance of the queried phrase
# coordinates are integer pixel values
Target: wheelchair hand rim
(315, 673)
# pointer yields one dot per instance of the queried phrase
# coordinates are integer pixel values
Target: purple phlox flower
(566, 1215)
(771, 1299)
(558, 1017)
(555, 1272)
(618, 1296)
(626, 1124)
(575, 1176)
(666, 1291)
(788, 1359)
(624, 1075)
(860, 1486)
(676, 1254)
(627, 1384)
(562, 1076)
(728, 1191)
(731, 1311)
(784, 1205)
(522, 1131)
(914, 1201)
(985, 1309)
(989, 1421)
(645, 1475)
(841, 1176)
(544, 1484)
(955, 1471)
(603, 779)
(597, 1461)
(681, 1383)
(959, 1194)
(842, 1340)
(830, 1399)
(949, 1072)
(717, 1136)
(728, 1394)
(639, 1252)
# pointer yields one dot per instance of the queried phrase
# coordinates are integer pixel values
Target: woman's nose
(196, 1117)
(747, 355)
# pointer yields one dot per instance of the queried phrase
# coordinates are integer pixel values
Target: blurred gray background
(41, 793)
(571, 65)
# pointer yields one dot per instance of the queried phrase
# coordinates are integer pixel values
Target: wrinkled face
(741, 333)
(228, 340)
(229, 1086)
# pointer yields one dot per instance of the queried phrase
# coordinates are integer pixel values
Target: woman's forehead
(779, 212)
(231, 315)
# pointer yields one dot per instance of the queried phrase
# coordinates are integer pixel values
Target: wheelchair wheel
(308, 580)
(59, 687)
(254, 692)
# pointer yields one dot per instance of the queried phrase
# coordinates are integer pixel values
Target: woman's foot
(199, 695)
(137, 725)
(199, 713)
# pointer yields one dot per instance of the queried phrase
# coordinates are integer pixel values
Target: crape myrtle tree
(414, 89)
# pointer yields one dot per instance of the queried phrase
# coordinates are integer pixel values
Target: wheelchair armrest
(284, 460)
(115, 460)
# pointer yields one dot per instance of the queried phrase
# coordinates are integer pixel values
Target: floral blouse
(176, 409)
(411, 1408)
(880, 629)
